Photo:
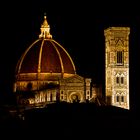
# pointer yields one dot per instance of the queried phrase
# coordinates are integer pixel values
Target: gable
(75, 79)
(119, 43)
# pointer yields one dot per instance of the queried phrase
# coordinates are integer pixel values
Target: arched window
(117, 80)
(122, 98)
(122, 80)
(117, 98)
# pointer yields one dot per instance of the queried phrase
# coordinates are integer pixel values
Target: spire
(45, 29)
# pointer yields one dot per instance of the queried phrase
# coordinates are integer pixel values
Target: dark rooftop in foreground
(65, 116)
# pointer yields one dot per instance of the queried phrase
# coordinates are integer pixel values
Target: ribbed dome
(44, 56)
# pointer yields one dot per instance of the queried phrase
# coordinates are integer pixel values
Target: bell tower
(117, 66)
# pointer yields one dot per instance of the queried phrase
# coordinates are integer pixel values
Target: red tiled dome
(45, 56)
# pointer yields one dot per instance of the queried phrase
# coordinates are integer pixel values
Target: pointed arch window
(117, 80)
(122, 80)
(117, 98)
(122, 98)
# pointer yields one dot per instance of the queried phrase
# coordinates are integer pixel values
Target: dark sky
(77, 26)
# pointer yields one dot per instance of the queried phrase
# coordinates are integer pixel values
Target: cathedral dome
(45, 56)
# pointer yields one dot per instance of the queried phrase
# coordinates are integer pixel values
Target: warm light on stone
(117, 66)
(46, 73)
(45, 30)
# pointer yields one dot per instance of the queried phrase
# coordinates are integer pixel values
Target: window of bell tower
(122, 98)
(117, 80)
(117, 98)
(122, 80)
(120, 57)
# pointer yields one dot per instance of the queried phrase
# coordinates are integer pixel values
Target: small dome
(45, 56)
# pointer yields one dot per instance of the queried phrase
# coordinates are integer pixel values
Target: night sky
(77, 26)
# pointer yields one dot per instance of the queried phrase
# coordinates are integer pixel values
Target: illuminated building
(46, 73)
(117, 66)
